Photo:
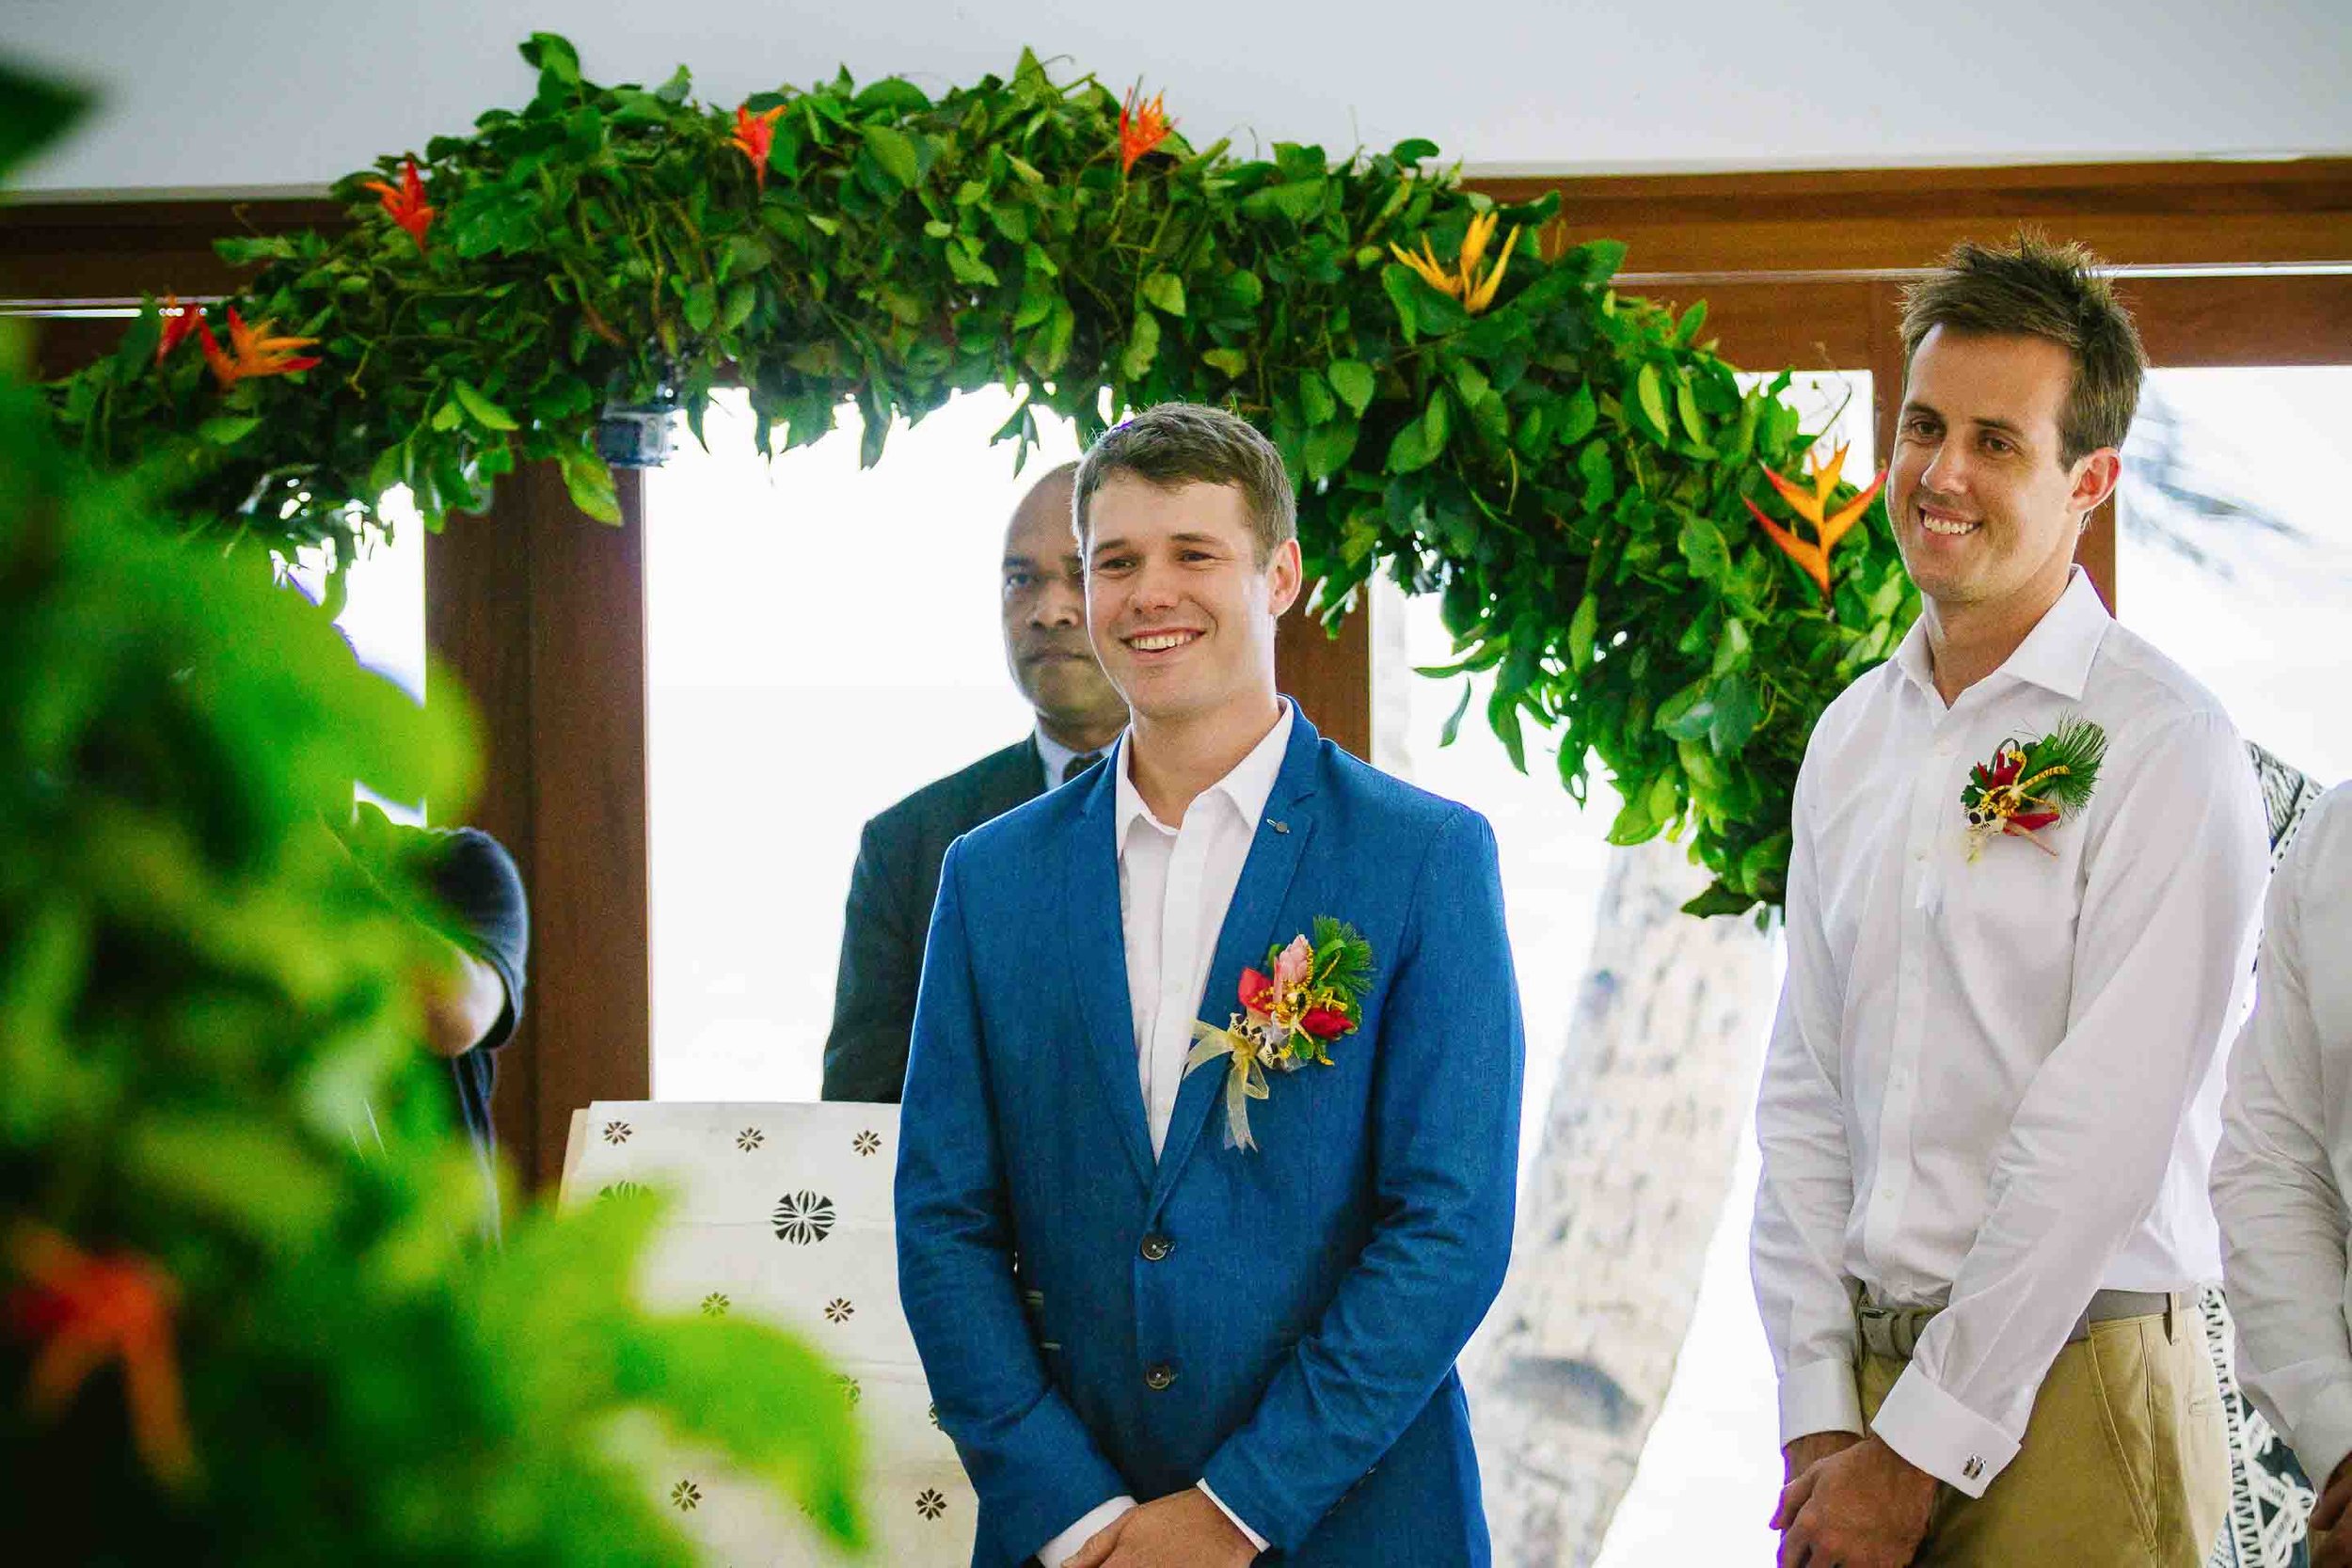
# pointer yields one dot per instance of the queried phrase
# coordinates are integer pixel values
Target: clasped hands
(1850, 1502)
(2328, 1515)
(1183, 1529)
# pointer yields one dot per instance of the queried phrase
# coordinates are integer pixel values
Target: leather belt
(1894, 1332)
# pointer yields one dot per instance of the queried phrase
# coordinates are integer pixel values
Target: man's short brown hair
(1183, 443)
(2032, 288)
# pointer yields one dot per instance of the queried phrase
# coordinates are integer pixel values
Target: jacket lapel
(1284, 829)
(1098, 964)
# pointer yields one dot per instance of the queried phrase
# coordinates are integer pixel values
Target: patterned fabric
(783, 1212)
(2270, 1498)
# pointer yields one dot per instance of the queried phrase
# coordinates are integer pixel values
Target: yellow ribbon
(1244, 1082)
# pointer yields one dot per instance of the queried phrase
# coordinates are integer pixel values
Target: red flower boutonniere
(1313, 996)
(2027, 787)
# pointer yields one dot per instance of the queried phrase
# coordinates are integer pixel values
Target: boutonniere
(2027, 787)
(1288, 1018)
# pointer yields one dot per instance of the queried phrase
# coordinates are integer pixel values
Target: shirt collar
(1247, 786)
(1055, 757)
(2055, 656)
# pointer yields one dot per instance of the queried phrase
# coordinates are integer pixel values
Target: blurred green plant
(1566, 466)
(240, 1317)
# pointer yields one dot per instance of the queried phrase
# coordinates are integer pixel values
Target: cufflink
(1279, 827)
(1973, 1468)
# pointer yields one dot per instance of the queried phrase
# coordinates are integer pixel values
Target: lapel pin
(1278, 825)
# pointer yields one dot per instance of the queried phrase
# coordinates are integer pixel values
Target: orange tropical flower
(1813, 506)
(1143, 124)
(180, 322)
(754, 134)
(406, 205)
(1465, 282)
(83, 1311)
(251, 351)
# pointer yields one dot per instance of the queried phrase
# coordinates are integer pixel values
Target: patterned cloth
(783, 1212)
(2270, 1498)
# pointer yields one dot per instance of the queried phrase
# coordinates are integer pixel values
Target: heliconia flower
(180, 322)
(251, 351)
(1465, 281)
(1324, 1023)
(406, 205)
(82, 1311)
(1295, 966)
(1142, 125)
(1257, 991)
(1813, 555)
(755, 137)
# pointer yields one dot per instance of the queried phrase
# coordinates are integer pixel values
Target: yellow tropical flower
(1812, 555)
(1466, 282)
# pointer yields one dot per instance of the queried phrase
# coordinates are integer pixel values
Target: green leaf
(1230, 361)
(1453, 720)
(702, 307)
(1738, 711)
(895, 151)
(590, 482)
(740, 299)
(227, 430)
(1404, 292)
(1582, 414)
(38, 112)
(1718, 900)
(1687, 405)
(892, 95)
(673, 91)
(553, 55)
(1315, 398)
(481, 409)
(1704, 550)
(1166, 291)
(1652, 398)
(1329, 446)
(1582, 628)
(1352, 379)
(1143, 346)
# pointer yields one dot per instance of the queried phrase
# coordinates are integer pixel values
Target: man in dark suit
(896, 876)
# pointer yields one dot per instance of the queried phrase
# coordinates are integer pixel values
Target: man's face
(1180, 611)
(1983, 510)
(1045, 628)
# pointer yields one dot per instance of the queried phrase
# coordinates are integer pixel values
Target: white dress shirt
(1174, 887)
(1992, 1084)
(2286, 1165)
(1055, 759)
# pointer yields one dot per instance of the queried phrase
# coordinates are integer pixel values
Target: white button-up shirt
(2285, 1166)
(1175, 885)
(1992, 1084)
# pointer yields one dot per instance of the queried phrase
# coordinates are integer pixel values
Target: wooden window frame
(541, 613)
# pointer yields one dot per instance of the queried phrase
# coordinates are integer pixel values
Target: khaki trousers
(2124, 1463)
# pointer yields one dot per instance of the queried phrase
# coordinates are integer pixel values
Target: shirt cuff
(2323, 1436)
(1819, 1395)
(1064, 1547)
(1239, 1523)
(1937, 1433)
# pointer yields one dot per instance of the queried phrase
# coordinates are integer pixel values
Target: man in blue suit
(1117, 1302)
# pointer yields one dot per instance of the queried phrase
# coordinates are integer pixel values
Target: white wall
(260, 94)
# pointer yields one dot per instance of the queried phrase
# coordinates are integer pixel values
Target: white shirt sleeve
(1240, 1524)
(1064, 1547)
(2284, 1220)
(1805, 1194)
(2163, 956)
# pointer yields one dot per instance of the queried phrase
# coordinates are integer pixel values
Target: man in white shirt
(1145, 1267)
(2286, 1165)
(2027, 863)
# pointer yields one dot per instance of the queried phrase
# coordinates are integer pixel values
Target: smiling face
(1986, 511)
(1180, 609)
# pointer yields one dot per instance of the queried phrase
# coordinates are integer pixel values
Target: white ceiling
(266, 94)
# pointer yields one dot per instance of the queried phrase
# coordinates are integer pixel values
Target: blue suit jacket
(1293, 1341)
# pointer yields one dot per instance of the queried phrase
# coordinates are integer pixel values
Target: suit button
(1159, 1377)
(1156, 1247)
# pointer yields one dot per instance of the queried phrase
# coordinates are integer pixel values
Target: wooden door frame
(541, 613)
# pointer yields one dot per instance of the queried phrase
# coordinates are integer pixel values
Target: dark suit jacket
(891, 893)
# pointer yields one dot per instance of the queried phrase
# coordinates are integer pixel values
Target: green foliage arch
(1567, 467)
